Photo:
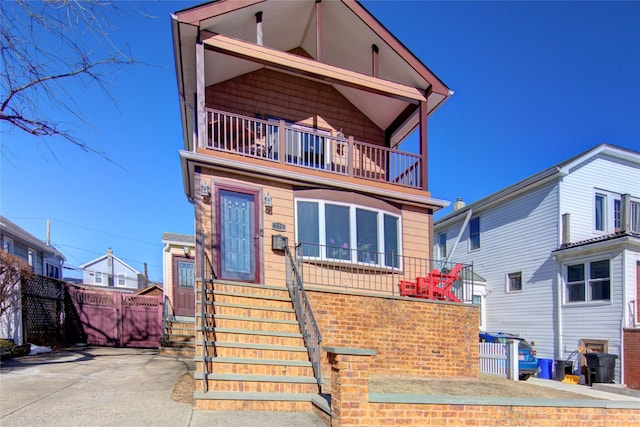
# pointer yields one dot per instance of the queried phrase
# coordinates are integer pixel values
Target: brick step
(180, 338)
(254, 323)
(261, 312)
(242, 350)
(239, 401)
(251, 288)
(187, 352)
(237, 298)
(180, 330)
(252, 366)
(258, 383)
(254, 337)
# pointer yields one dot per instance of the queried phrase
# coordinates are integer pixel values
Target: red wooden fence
(120, 320)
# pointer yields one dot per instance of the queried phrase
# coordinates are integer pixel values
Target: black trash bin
(601, 367)
(563, 367)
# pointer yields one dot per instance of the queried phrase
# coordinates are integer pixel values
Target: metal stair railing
(304, 313)
(208, 275)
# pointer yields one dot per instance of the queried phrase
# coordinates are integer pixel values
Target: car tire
(524, 377)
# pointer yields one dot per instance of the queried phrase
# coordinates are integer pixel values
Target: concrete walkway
(101, 386)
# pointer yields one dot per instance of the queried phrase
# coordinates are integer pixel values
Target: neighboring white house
(41, 256)
(109, 271)
(560, 253)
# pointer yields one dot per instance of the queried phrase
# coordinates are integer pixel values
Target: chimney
(458, 204)
(48, 232)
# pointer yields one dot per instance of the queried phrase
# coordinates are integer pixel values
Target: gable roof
(559, 170)
(18, 233)
(288, 25)
(103, 257)
(178, 239)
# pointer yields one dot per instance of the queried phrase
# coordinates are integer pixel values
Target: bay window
(344, 232)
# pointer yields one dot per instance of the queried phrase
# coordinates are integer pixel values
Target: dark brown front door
(183, 286)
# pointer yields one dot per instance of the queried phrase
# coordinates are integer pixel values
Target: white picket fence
(494, 359)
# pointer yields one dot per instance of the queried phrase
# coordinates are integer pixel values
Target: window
(7, 245)
(601, 202)
(474, 233)
(607, 212)
(514, 282)
(122, 280)
(99, 279)
(596, 288)
(186, 276)
(442, 245)
(345, 232)
(53, 271)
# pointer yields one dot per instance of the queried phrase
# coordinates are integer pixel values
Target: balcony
(280, 142)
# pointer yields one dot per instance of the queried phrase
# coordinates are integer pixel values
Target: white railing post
(512, 359)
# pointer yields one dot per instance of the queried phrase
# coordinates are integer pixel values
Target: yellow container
(571, 379)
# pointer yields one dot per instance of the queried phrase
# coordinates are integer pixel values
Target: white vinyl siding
(506, 247)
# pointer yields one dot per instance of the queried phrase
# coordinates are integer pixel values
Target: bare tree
(51, 50)
(12, 269)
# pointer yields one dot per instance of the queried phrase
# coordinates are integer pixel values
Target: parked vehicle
(527, 360)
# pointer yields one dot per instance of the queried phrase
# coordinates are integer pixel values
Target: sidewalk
(595, 392)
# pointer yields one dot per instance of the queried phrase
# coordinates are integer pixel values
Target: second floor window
(442, 245)
(99, 279)
(121, 279)
(474, 233)
(607, 212)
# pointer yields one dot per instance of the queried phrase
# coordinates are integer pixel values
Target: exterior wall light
(204, 191)
(268, 203)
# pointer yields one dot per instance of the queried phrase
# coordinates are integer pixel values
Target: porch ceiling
(348, 33)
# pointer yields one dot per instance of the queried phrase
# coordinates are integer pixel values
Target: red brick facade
(425, 338)
(632, 358)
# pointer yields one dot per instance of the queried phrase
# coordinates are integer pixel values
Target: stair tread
(259, 378)
(253, 319)
(253, 361)
(252, 296)
(258, 346)
(254, 332)
(254, 395)
(255, 307)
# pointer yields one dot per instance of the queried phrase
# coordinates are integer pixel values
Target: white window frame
(471, 249)
(352, 232)
(508, 282)
(98, 279)
(7, 244)
(586, 263)
(122, 280)
(609, 211)
(442, 246)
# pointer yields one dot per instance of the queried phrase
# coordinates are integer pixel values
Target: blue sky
(535, 83)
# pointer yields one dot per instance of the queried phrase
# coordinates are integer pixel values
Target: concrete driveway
(102, 386)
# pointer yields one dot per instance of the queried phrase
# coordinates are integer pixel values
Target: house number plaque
(278, 226)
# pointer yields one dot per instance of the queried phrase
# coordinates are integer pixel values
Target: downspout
(259, 28)
(464, 225)
(625, 313)
(562, 234)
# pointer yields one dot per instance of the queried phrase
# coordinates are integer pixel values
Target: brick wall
(632, 358)
(423, 338)
(352, 405)
(268, 92)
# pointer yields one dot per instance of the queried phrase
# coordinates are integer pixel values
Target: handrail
(167, 311)
(287, 143)
(304, 313)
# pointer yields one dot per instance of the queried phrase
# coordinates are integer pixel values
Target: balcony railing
(383, 273)
(281, 142)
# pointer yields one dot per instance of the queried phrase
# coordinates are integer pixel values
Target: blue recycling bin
(545, 366)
